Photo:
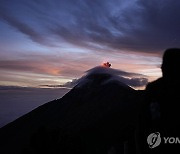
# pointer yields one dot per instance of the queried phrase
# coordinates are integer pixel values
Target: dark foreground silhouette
(161, 112)
(101, 116)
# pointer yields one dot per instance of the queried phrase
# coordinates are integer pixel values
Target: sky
(53, 42)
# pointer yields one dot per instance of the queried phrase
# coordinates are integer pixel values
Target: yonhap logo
(154, 139)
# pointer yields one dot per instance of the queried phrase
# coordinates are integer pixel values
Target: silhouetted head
(171, 63)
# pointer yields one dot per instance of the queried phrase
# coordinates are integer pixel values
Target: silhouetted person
(162, 112)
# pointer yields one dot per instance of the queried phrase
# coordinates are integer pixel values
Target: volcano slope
(98, 115)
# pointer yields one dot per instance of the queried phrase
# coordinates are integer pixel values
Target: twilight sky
(50, 42)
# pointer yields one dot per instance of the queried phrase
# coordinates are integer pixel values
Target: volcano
(97, 116)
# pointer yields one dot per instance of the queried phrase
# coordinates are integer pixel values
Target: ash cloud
(128, 78)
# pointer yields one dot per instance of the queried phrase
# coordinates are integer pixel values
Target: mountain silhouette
(98, 116)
